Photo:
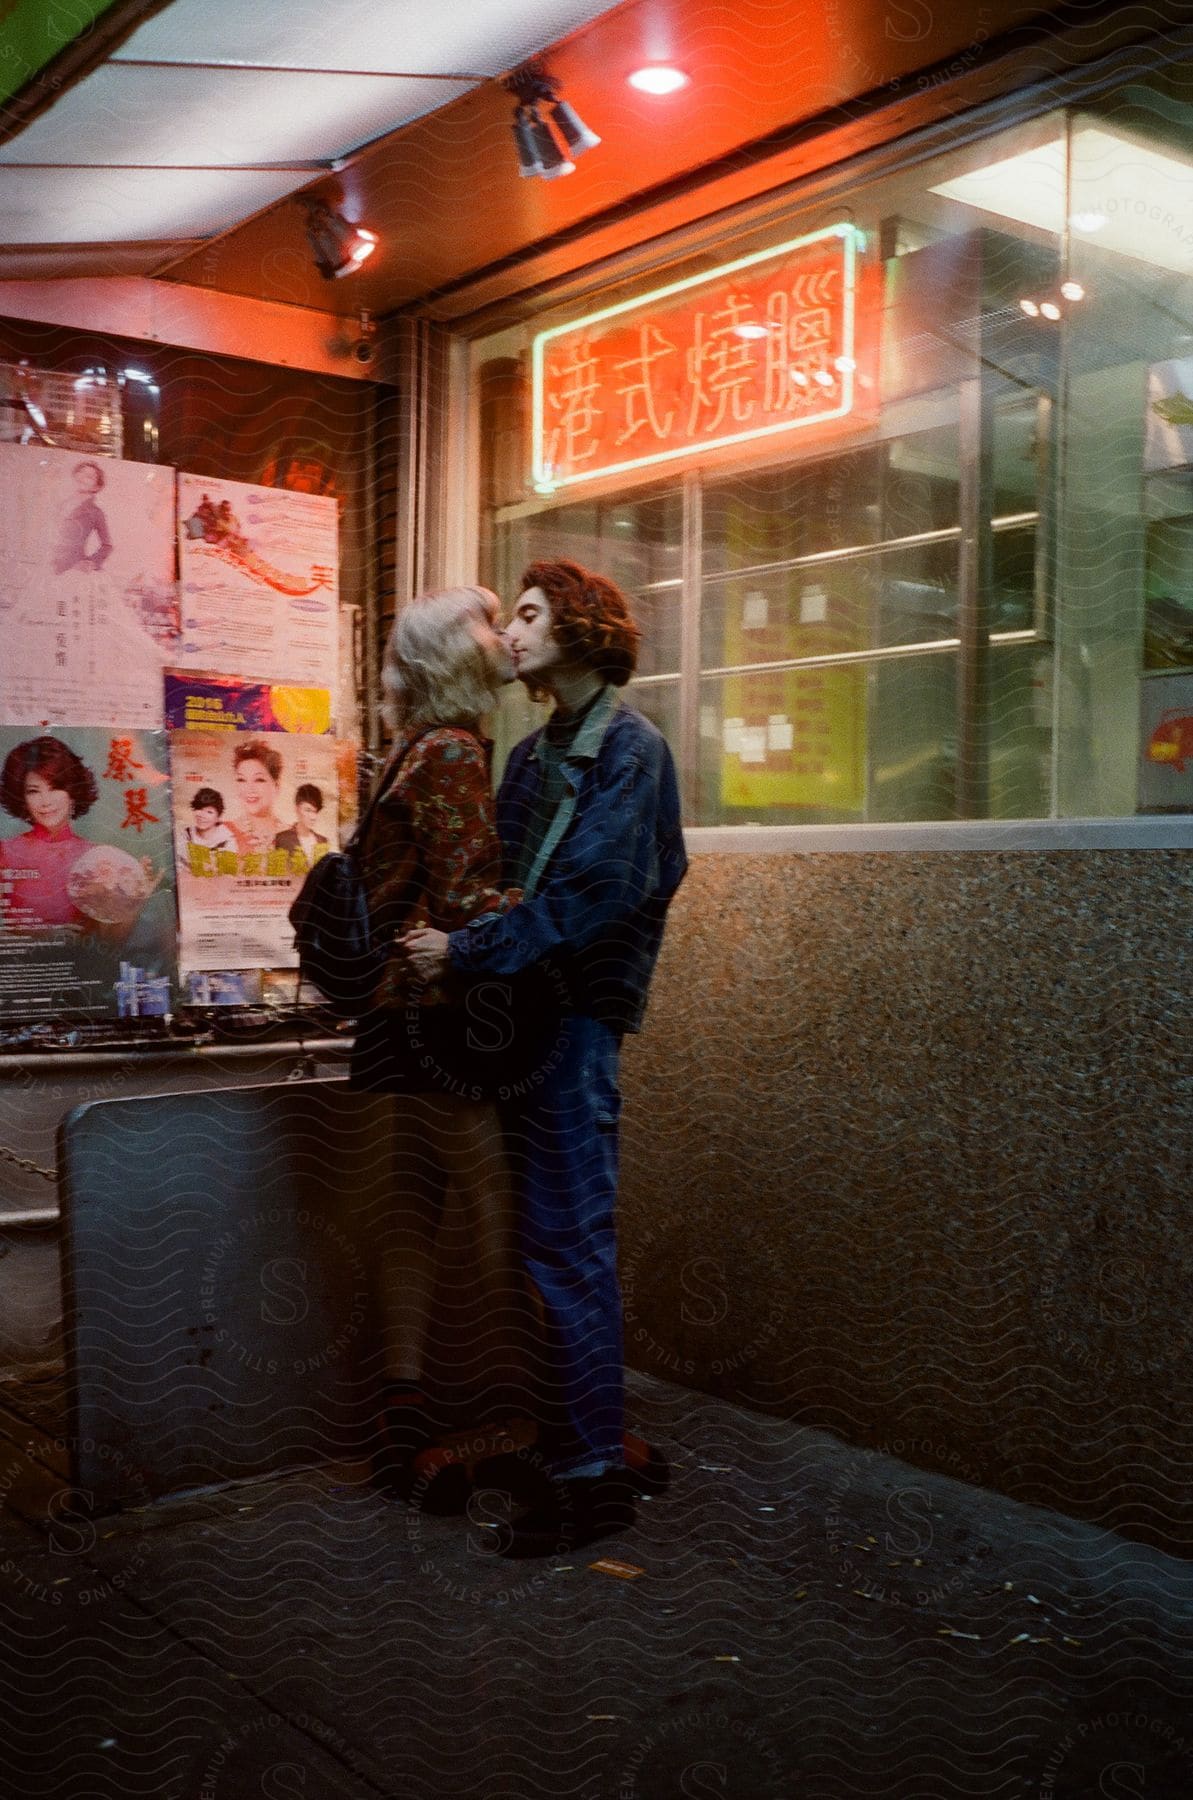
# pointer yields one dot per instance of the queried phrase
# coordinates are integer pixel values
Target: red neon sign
(761, 346)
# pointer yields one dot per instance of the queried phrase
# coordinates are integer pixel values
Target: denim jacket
(596, 896)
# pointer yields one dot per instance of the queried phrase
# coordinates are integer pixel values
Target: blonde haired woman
(431, 857)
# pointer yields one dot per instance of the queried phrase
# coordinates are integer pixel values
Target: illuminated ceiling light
(845, 364)
(1050, 309)
(545, 146)
(1072, 290)
(1030, 308)
(1088, 221)
(338, 246)
(658, 78)
(748, 330)
(823, 377)
(800, 378)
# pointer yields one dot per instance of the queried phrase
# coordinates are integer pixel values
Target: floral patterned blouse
(431, 853)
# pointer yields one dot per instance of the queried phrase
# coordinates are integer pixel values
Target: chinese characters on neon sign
(761, 346)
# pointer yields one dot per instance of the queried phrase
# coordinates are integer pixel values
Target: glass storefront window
(965, 587)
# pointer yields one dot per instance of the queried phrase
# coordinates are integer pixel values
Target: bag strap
(388, 778)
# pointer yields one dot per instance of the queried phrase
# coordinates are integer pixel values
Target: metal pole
(689, 647)
(975, 579)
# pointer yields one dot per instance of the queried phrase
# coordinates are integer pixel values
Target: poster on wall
(792, 737)
(222, 703)
(88, 601)
(1166, 744)
(259, 581)
(86, 873)
(253, 811)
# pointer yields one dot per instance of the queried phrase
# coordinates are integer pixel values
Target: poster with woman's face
(88, 598)
(253, 812)
(86, 873)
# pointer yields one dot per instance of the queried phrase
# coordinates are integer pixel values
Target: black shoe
(441, 1476)
(576, 1511)
(526, 1477)
(647, 1469)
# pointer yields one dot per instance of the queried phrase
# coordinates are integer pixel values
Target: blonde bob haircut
(434, 672)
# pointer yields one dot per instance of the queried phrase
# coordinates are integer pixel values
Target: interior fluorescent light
(1135, 197)
(658, 78)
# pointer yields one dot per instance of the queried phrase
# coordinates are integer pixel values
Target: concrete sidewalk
(810, 1620)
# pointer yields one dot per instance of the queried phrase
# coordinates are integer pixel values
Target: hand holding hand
(423, 954)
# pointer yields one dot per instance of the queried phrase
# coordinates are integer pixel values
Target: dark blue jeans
(562, 1141)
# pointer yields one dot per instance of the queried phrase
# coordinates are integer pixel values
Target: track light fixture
(338, 246)
(545, 146)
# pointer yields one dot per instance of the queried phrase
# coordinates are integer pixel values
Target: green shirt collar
(588, 739)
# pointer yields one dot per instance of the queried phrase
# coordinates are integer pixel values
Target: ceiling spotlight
(572, 129)
(545, 146)
(1088, 221)
(339, 247)
(1072, 290)
(528, 156)
(552, 160)
(1050, 309)
(1030, 308)
(658, 78)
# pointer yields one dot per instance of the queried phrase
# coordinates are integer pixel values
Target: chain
(23, 1162)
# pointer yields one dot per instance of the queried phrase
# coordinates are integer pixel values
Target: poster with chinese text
(259, 582)
(88, 600)
(86, 873)
(222, 703)
(793, 737)
(253, 812)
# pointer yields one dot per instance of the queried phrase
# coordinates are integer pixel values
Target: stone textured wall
(908, 1155)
